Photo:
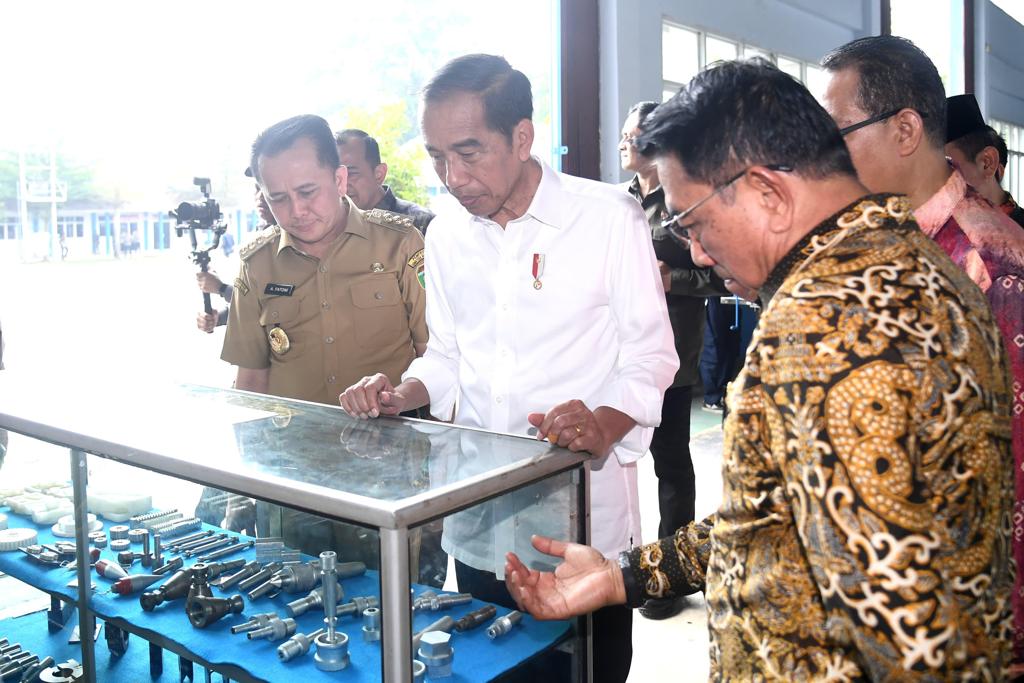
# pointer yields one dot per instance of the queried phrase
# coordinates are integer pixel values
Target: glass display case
(236, 482)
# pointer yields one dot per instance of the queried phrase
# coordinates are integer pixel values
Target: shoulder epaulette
(389, 219)
(263, 238)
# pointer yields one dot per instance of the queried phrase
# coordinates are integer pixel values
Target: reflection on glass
(719, 49)
(680, 54)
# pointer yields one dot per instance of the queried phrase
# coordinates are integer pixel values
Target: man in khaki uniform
(323, 298)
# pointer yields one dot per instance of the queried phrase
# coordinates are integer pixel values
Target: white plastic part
(118, 507)
(12, 539)
(65, 526)
(3, 521)
(26, 503)
(51, 515)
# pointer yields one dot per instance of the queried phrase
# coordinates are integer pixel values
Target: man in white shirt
(545, 292)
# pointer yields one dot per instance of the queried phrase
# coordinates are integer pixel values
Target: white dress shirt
(596, 329)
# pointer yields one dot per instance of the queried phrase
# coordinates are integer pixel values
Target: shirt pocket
(378, 312)
(283, 312)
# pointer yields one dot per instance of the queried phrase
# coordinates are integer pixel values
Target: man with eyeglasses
(888, 99)
(864, 528)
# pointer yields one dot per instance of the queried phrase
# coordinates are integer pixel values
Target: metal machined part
(422, 601)
(443, 624)
(224, 552)
(297, 646)
(357, 605)
(276, 629)
(136, 535)
(158, 550)
(171, 566)
(255, 622)
(475, 618)
(139, 520)
(173, 546)
(249, 569)
(418, 669)
(165, 521)
(439, 602)
(437, 653)
(196, 543)
(119, 545)
(178, 527)
(503, 625)
(296, 578)
(118, 531)
(207, 547)
(260, 576)
(215, 569)
(203, 611)
(314, 600)
(371, 624)
(331, 655)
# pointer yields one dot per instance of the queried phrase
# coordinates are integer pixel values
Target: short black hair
(741, 113)
(894, 74)
(643, 110)
(970, 145)
(283, 134)
(371, 150)
(505, 91)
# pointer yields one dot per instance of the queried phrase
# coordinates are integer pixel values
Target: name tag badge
(279, 290)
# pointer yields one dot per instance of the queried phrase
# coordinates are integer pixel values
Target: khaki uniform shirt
(356, 312)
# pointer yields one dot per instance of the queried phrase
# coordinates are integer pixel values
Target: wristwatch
(634, 595)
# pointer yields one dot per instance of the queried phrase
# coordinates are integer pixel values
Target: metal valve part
(215, 569)
(331, 655)
(437, 653)
(314, 600)
(177, 586)
(418, 669)
(203, 611)
(371, 624)
(357, 605)
(276, 629)
(443, 624)
(439, 602)
(503, 625)
(255, 621)
(422, 601)
(297, 646)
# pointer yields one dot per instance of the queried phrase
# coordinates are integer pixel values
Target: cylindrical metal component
(261, 590)
(177, 586)
(260, 576)
(180, 528)
(475, 618)
(168, 521)
(297, 645)
(126, 558)
(32, 673)
(437, 653)
(119, 545)
(118, 531)
(203, 611)
(371, 624)
(255, 622)
(245, 572)
(136, 536)
(19, 666)
(439, 602)
(147, 557)
(173, 547)
(224, 552)
(443, 624)
(215, 569)
(212, 545)
(201, 541)
(328, 572)
(8, 649)
(418, 669)
(331, 655)
(158, 550)
(422, 601)
(276, 629)
(314, 600)
(139, 520)
(100, 541)
(171, 566)
(503, 625)
(357, 605)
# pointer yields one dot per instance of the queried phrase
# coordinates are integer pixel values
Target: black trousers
(673, 466)
(612, 637)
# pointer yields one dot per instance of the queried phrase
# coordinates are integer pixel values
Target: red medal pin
(538, 270)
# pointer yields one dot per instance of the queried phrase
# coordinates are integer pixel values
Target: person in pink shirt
(888, 100)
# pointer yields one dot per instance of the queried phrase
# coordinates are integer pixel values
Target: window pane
(680, 56)
(791, 67)
(668, 93)
(719, 49)
(817, 79)
(937, 27)
(750, 51)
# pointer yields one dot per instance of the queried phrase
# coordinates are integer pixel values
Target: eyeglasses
(875, 119)
(674, 223)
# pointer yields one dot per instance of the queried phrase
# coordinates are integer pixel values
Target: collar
(547, 202)
(892, 207)
(634, 189)
(389, 202)
(934, 213)
(355, 224)
(1009, 206)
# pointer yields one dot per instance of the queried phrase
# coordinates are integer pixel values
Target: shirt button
(324, 305)
(323, 269)
(329, 340)
(330, 380)
(378, 296)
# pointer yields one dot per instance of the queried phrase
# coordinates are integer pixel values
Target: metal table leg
(396, 603)
(86, 625)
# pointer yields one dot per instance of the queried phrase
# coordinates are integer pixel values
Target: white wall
(630, 48)
(999, 64)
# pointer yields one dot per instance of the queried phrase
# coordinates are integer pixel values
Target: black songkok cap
(963, 116)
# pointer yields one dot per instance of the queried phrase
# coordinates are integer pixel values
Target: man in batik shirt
(864, 529)
(888, 100)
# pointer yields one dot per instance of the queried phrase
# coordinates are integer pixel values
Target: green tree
(394, 129)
